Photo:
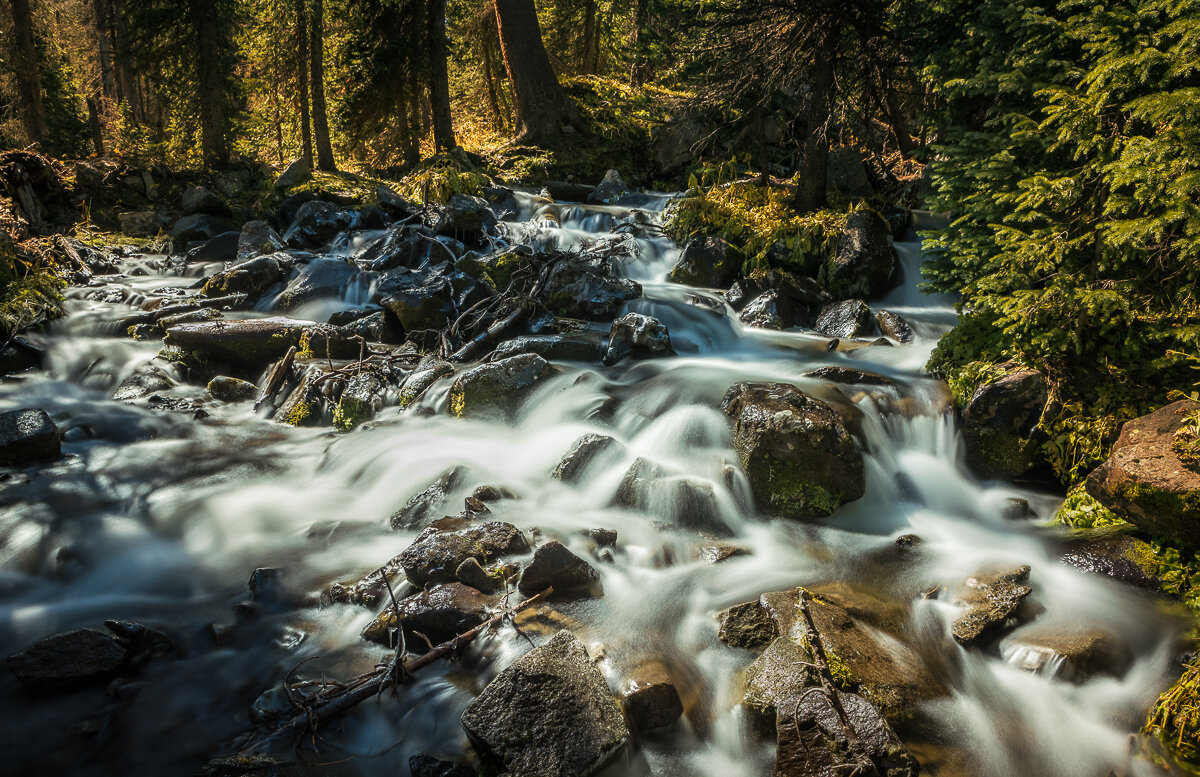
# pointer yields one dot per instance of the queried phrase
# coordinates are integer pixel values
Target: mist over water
(160, 517)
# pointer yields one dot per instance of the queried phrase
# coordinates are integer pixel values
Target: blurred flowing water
(160, 517)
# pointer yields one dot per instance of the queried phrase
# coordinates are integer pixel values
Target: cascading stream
(160, 517)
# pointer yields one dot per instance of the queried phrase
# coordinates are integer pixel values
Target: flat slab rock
(549, 714)
(810, 741)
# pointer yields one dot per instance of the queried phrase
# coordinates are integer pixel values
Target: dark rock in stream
(425, 765)
(498, 389)
(428, 371)
(440, 613)
(769, 310)
(708, 262)
(27, 436)
(1114, 553)
(571, 348)
(579, 290)
(649, 697)
(421, 299)
(67, 661)
(229, 389)
(425, 505)
(893, 326)
(222, 248)
(865, 260)
(436, 556)
(317, 223)
(1000, 425)
(554, 565)
(848, 318)
(257, 238)
(549, 714)
(811, 739)
(991, 599)
(360, 401)
(849, 375)
(319, 279)
(746, 625)
(253, 276)
(610, 188)
(583, 452)
(198, 226)
(637, 336)
(146, 379)
(798, 455)
(249, 342)
(20, 354)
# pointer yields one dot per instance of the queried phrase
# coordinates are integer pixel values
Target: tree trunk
(317, 79)
(637, 71)
(542, 106)
(302, 81)
(127, 87)
(810, 193)
(898, 121)
(210, 82)
(587, 58)
(439, 77)
(489, 76)
(29, 88)
(95, 127)
(414, 108)
(101, 24)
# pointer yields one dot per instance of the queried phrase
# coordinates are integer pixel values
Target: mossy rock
(496, 390)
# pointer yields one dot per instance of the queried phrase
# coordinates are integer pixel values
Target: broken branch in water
(398, 669)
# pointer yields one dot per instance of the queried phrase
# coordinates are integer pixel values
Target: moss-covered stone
(497, 389)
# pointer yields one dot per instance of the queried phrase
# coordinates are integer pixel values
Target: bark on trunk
(542, 106)
(414, 109)
(101, 25)
(127, 86)
(489, 75)
(317, 80)
(29, 88)
(637, 71)
(302, 81)
(439, 77)
(210, 82)
(810, 194)
(587, 58)
(898, 121)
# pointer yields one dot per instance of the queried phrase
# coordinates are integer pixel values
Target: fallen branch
(275, 378)
(863, 765)
(374, 683)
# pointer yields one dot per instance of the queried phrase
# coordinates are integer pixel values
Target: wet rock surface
(1145, 482)
(636, 336)
(800, 458)
(441, 613)
(811, 739)
(553, 565)
(746, 626)
(583, 452)
(27, 436)
(991, 599)
(865, 259)
(252, 342)
(549, 714)
(436, 556)
(67, 661)
(497, 389)
(1000, 425)
(849, 318)
(649, 698)
(706, 261)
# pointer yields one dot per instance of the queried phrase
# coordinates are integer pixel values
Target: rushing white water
(159, 517)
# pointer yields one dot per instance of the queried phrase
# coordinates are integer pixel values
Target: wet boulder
(1073, 653)
(801, 460)
(848, 318)
(498, 389)
(253, 276)
(649, 697)
(554, 565)
(229, 389)
(892, 325)
(146, 379)
(566, 191)
(67, 661)
(26, 436)
(197, 199)
(257, 238)
(198, 226)
(420, 299)
(430, 501)
(584, 451)
(428, 371)
(811, 741)
(708, 262)
(1113, 553)
(991, 599)
(769, 310)
(1000, 425)
(549, 714)
(865, 260)
(849, 376)
(317, 223)
(440, 613)
(319, 279)
(382, 326)
(466, 216)
(610, 188)
(489, 580)
(567, 347)
(20, 354)
(391, 201)
(140, 223)
(637, 336)
(580, 290)
(634, 489)
(360, 400)
(425, 765)
(436, 556)
(1145, 480)
(249, 342)
(746, 625)
(222, 248)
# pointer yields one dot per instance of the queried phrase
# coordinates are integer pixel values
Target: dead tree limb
(379, 680)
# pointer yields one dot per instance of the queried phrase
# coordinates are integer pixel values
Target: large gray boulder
(497, 389)
(252, 276)
(549, 714)
(257, 238)
(580, 290)
(197, 199)
(296, 173)
(27, 436)
(1146, 482)
(801, 460)
(848, 318)
(250, 342)
(865, 259)
(1000, 425)
(637, 336)
(67, 660)
(436, 555)
(319, 279)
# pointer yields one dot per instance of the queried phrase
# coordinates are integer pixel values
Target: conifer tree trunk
(317, 80)
(414, 107)
(210, 81)
(810, 193)
(306, 150)
(588, 56)
(127, 87)
(101, 26)
(489, 76)
(637, 71)
(439, 77)
(542, 106)
(29, 90)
